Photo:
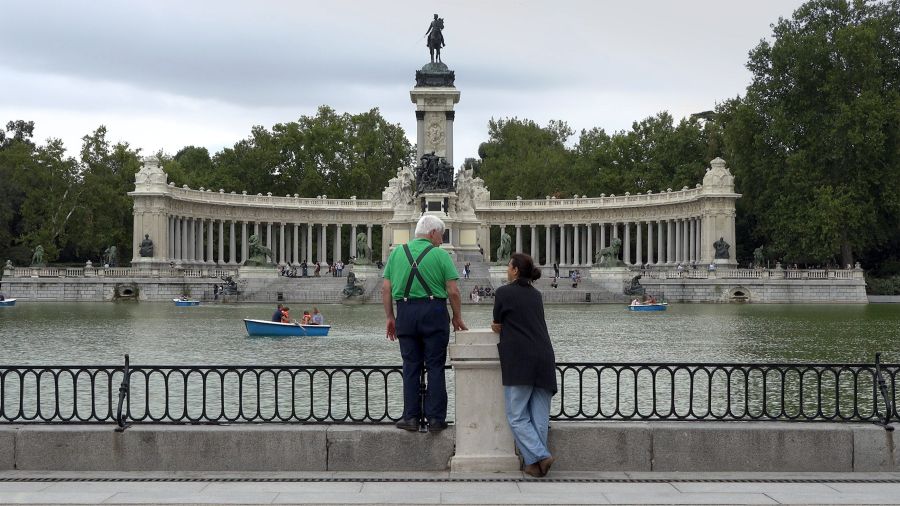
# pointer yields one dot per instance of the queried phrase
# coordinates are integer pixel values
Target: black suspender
(414, 273)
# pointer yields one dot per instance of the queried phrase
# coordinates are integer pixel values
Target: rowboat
(189, 302)
(7, 302)
(267, 328)
(660, 306)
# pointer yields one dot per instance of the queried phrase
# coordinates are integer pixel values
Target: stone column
(281, 227)
(484, 442)
(269, 240)
(518, 238)
(679, 241)
(191, 240)
(615, 230)
(547, 244)
(337, 243)
(639, 225)
(220, 258)
(533, 251)
(324, 246)
(256, 231)
(602, 235)
(232, 243)
(590, 245)
(626, 245)
(693, 240)
(650, 243)
(563, 245)
(576, 244)
(209, 243)
(309, 238)
(660, 259)
(369, 237)
(295, 239)
(170, 230)
(244, 246)
(353, 240)
(178, 238)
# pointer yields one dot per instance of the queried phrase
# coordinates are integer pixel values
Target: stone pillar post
(547, 243)
(232, 243)
(484, 442)
(678, 241)
(309, 238)
(324, 245)
(670, 242)
(639, 225)
(295, 238)
(353, 240)
(337, 243)
(563, 245)
(576, 244)
(615, 230)
(244, 246)
(220, 258)
(626, 245)
(209, 244)
(518, 238)
(369, 237)
(650, 243)
(533, 250)
(660, 259)
(693, 240)
(177, 242)
(602, 235)
(281, 227)
(170, 231)
(269, 240)
(590, 245)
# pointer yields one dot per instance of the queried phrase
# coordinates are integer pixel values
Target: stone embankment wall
(581, 446)
(769, 291)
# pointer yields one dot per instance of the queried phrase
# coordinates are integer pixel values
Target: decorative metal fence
(125, 394)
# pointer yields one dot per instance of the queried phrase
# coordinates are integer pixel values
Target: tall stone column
(324, 245)
(660, 258)
(590, 245)
(353, 240)
(369, 236)
(602, 235)
(563, 245)
(172, 238)
(679, 241)
(209, 243)
(256, 231)
(693, 240)
(198, 253)
(191, 240)
(547, 245)
(337, 243)
(576, 243)
(269, 240)
(553, 233)
(307, 243)
(670, 242)
(220, 258)
(295, 237)
(615, 230)
(281, 227)
(638, 225)
(232, 243)
(518, 238)
(245, 247)
(626, 244)
(178, 238)
(650, 243)
(533, 251)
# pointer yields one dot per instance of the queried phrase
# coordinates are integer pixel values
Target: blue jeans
(528, 413)
(423, 330)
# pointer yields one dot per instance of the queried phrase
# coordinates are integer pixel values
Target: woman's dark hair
(527, 271)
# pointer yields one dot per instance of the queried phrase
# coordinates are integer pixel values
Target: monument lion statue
(259, 255)
(505, 249)
(363, 251)
(609, 256)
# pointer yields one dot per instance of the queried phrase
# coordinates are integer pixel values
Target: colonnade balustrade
(194, 240)
(644, 242)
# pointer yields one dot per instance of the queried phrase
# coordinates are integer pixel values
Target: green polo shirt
(437, 268)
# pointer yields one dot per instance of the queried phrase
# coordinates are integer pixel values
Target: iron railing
(126, 394)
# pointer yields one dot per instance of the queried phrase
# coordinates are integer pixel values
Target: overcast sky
(166, 74)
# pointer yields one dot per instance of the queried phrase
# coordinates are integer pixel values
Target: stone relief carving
(434, 136)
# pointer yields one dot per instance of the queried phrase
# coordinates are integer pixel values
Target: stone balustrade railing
(293, 202)
(118, 272)
(730, 273)
(592, 202)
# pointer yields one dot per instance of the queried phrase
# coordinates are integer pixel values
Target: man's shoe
(436, 425)
(545, 464)
(533, 470)
(410, 424)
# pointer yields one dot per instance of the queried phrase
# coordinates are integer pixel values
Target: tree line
(813, 142)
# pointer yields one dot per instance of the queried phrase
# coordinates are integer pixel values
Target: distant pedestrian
(466, 270)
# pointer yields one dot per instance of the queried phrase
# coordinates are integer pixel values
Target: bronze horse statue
(435, 38)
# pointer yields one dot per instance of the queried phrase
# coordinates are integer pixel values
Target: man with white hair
(420, 277)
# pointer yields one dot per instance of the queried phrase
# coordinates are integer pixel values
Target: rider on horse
(435, 37)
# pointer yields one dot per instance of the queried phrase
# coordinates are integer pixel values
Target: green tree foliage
(814, 143)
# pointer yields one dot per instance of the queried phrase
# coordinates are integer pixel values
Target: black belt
(421, 300)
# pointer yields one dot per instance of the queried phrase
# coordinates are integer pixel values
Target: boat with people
(186, 302)
(269, 328)
(655, 306)
(7, 302)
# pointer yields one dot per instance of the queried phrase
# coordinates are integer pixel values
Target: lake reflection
(159, 333)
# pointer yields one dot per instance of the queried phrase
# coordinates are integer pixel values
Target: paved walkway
(443, 488)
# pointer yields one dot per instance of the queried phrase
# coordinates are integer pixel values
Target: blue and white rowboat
(7, 302)
(180, 302)
(267, 328)
(649, 307)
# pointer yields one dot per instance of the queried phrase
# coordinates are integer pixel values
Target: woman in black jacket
(527, 362)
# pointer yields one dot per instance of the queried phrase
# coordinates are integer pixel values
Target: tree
(815, 143)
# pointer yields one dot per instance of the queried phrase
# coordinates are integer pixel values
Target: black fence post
(124, 389)
(882, 387)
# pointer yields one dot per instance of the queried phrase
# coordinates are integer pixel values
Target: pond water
(159, 333)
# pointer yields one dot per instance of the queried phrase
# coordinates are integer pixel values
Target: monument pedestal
(484, 442)
(612, 279)
(498, 275)
(258, 272)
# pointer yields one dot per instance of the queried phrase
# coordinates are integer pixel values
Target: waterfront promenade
(445, 488)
